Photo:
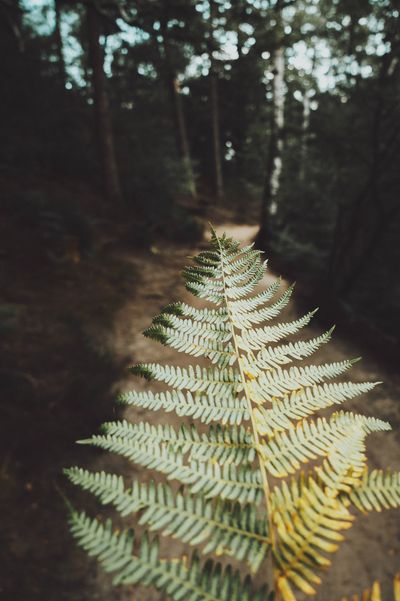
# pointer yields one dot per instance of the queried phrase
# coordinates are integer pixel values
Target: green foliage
(217, 496)
(176, 578)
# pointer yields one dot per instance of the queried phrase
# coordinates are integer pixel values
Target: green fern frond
(195, 345)
(245, 319)
(300, 404)
(194, 337)
(219, 331)
(222, 444)
(277, 383)
(198, 406)
(250, 257)
(221, 527)
(208, 478)
(176, 577)
(254, 340)
(240, 281)
(274, 356)
(265, 401)
(195, 378)
(210, 316)
(249, 304)
(211, 290)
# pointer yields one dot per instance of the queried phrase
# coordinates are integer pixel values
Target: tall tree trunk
(104, 132)
(216, 132)
(59, 43)
(269, 206)
(305, 126)
(181, 136)
(181, 133)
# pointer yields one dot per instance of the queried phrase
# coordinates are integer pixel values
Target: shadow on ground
(57, 379)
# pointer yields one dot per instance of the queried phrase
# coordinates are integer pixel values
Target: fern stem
(258, 446)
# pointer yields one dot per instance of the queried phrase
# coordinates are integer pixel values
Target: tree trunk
(305, 126)
(181, 131)
(216, 132)
(269, 205)
(181, 136)
(105, 139)
(59, 44)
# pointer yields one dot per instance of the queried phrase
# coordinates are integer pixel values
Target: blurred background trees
(285, 112)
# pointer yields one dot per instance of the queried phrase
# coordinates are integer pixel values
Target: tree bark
(269, 206)
(59, 43)
(105, 138)
(216, 132)
(305, 126)
(181, 136)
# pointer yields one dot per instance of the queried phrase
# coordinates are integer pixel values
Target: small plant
(232, 486)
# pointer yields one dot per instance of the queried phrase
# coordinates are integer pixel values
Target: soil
(69, 332)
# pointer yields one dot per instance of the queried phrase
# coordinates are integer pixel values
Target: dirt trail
(372, 548)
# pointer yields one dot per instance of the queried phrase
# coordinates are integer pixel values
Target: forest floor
(63, 362)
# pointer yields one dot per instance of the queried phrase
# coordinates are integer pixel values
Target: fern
(236, 488)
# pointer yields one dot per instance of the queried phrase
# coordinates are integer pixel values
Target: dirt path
(68, 332)
(373, 546)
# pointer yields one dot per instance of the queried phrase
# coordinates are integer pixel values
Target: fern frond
(226, 528)
(219, 331)
(207, 346)
(277, 383)
(222, 444)
(285, 453)
(225, 382)
(198, 406)
(245, 319)
(254, 340)
(378, 490)
(178, 578)
(252, 271)
(224, 504)
(308, 520)
(206, 315)
(249, 304)
(311, 513)
(210, 479)
(194, 337)
(249, 257)
(343, 468)
(243, 290)
(300, 404)
(211, 291)
(271, 357)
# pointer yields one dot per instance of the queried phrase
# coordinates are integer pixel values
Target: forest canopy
(285, 111)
